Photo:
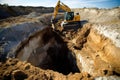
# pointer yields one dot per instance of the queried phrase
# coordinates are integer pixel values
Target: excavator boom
(62, 6)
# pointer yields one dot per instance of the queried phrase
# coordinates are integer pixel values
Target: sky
(70, 3)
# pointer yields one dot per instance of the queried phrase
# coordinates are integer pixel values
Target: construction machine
(71, 20)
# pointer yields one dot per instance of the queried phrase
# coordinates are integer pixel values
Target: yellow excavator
(70, 18)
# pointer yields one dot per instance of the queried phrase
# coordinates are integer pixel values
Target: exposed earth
(31, 50)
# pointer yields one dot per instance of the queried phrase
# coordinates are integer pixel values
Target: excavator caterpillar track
(71, 25)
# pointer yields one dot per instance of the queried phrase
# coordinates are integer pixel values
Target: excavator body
(71, 20)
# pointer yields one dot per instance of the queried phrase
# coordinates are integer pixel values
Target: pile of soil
(13, 69)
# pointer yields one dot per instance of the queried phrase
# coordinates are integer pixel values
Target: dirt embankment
(21, 26)
(95, 53)
(96, 15)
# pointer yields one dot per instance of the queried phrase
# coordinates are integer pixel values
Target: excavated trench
(47, 50)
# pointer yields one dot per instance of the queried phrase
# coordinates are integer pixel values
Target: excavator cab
(69, 16)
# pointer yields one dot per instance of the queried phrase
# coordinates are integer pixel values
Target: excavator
(70, 18)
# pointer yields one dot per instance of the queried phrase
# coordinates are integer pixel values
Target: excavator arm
(59, 5)
(62, 6)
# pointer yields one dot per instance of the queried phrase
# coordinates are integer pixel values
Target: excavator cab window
(69, 16)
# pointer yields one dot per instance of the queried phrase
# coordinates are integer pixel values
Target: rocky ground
(40, 53)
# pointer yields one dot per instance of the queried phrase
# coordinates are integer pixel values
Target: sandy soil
(13, 69)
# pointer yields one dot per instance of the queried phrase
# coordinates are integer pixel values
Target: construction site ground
(31, 50)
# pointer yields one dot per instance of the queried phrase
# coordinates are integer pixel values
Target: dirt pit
(47, 50)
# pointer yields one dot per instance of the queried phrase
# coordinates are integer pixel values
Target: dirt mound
(13, 69)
